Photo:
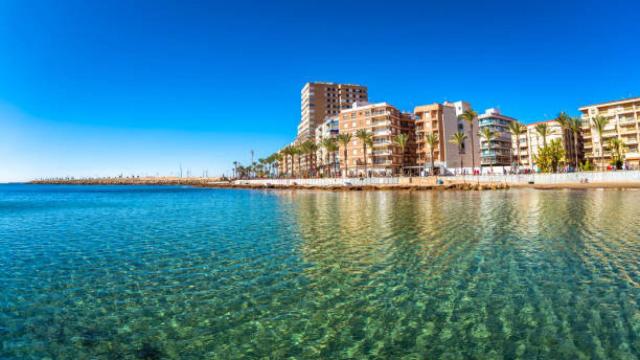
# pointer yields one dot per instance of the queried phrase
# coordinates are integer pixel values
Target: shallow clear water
(167, 272)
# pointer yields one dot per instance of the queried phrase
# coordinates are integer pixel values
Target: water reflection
(509, 274)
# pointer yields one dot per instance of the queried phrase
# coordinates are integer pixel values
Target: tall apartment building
(531, 142)
(624, 118)
(320, 100)
(443, 120)
(496, 152)
(384, 122)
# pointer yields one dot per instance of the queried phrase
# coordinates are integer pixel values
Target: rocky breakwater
(129, 181)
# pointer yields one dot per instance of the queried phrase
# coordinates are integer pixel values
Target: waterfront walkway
(627, 179)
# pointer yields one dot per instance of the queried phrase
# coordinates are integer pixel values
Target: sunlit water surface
(167, 272)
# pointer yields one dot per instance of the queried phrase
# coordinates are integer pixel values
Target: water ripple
(166, 272)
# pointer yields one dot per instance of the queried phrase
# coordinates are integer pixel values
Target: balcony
(627, 120)
(382, 162)
(376, 124)
(381, 133)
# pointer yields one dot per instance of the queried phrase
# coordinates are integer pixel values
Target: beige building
(320, 100)
(443, 119)
(531, 142)
(384, 122)
(327, 161)
(624, 118)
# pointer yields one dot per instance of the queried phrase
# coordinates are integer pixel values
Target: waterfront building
(444, 120)
(320, 100)
(497, 151)
(624, 118)
(531, 142)
(384, 122)
(327, 130)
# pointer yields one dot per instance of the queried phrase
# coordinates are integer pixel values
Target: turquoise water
(178, 273)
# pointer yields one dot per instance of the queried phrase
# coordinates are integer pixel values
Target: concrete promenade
(622, 178)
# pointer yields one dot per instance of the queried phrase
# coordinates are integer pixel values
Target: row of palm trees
(308, 150)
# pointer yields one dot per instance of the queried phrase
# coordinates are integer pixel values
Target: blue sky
(94, 88)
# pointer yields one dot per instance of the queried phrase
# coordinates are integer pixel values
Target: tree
(488, 135)
(297, 152)
(401, 140)
(543, 131)
(432, 140)
(575, 125)
(260, 167)
(344, 140)
(564, 121)
(312, 147)
(550, 156)
(288, 152)
(252, 164)
(331, 146)
(617, 148)
(516, 129)
(308, 149)
(469, 116)
(458, 140)
(599, 123)
(367, 140)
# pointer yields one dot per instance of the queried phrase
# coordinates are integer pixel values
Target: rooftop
(609, 103)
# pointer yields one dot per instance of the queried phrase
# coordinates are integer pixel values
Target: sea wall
(553, 179)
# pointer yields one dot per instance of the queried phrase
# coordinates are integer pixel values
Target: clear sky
(107, 87)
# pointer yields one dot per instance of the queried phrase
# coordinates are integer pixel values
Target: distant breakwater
(128, 181)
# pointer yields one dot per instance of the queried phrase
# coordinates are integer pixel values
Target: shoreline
(448, 185)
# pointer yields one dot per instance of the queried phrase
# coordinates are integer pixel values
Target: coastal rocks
(199, 182)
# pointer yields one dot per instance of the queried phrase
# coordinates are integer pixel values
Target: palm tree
(297, 152)
(312, 148)
(432, 140)
(260, 167)
(543, 131)
(618, 149)
(367, 140)
(305, 150)
(516, 129)
(288, 152)
(488, 135)
(331, 146)
(564, 121)
(575, 125)
(344, 140)
(458, 139)
(401, 140)
(599, 123)
(548, 157)
(469, 116)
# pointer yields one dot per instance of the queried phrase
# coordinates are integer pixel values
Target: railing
(560, 178)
